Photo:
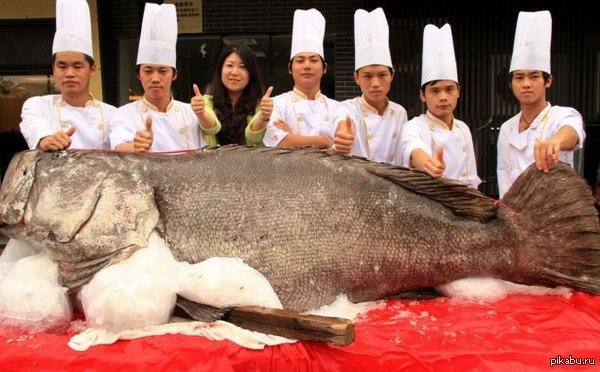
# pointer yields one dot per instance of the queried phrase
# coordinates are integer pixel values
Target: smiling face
(529, 86)
(441, 97)
(234, 74)
(72, 72)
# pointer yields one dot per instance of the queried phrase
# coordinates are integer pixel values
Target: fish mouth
(5, 229)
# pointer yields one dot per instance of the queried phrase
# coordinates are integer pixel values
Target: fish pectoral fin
(64, 229)
(418, 294)
(197, 311)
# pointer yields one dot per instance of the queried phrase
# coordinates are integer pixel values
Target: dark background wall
(122, 20)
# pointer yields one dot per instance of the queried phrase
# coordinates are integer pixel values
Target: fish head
(86, 208)
(15, 192)
(46, 195)
(70, 200)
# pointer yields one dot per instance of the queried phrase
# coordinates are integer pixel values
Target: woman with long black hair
(234, 111)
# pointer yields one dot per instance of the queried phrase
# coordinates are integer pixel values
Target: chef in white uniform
(540, 132)
(304, 116)
(436, 142)
(157, 122)
(376, 122)
(73, 119)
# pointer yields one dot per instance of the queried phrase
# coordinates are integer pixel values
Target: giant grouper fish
(314, 224)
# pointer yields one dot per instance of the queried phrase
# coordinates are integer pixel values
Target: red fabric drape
(518, 333)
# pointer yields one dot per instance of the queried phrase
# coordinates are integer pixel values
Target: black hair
(234, 119)
(545, 75)
(389, 68)
(89, 59)
(322, 62)
(432, 82)
(138, 68)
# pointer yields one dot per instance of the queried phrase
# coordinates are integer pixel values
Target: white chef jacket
(427, 132)
(174, 130)
(377, 137)
(515, 150)
(305, 117)
(45, 115)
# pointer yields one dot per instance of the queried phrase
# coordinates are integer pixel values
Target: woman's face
(234, 74)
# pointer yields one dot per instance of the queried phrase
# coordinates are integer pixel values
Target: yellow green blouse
(253, 138)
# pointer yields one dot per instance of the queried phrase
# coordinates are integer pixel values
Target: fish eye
(24, 172)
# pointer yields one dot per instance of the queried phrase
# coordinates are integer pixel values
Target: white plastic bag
(226, 282)
(136, 292)
(31, 298)
(14, 251)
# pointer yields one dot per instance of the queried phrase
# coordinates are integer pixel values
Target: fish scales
(306, 223)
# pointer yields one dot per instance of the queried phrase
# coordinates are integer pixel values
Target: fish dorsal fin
(461, 199)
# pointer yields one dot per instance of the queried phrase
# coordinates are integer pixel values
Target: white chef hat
(532, 42)
(308, 32)
(439, 62)
(159, 35)
(371, 39)
(73, 27)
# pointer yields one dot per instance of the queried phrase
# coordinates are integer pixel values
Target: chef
(74, 118)
(375, 122)
(304, 116)
(436, 142)
(157, 122)
(540, 132)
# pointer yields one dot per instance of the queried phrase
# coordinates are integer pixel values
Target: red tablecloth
(518, 333)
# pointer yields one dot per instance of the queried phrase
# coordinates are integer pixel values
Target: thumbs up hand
(57, 141)
(69, 132)
(142, 142)
(266, 109)
(206, 117)
(197, 101)
(344, 136)
(266, 105)
(439, 156)
(435, 165)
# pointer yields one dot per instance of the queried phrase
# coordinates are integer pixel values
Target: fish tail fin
(558, 228)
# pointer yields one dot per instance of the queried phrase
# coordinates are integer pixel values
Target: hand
(197, 101)
(435, 166)
(281, 124)
(266, 105)
(546, 154)
(344, 136)
(142, 142)
(323, 142)
(57, 141)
